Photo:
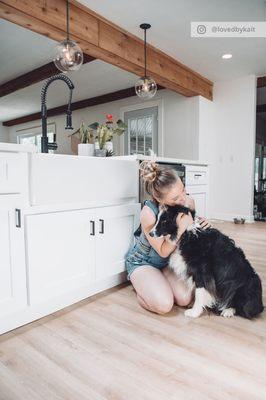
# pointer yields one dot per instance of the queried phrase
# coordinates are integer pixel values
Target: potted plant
(86, 139)
(105, 133)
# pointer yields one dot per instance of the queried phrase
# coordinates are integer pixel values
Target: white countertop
(18, 148)
(163, 159)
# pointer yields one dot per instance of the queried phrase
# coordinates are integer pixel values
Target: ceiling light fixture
(145, 86)
(227, 56)
(69, 56)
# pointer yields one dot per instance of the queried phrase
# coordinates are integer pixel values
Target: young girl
(157, 287)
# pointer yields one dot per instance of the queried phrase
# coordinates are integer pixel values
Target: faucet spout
(44, 141)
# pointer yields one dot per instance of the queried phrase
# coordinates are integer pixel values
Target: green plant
(110, 153)
(85, 134)
(105, 132)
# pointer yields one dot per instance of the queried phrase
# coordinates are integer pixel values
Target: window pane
(141, 135)
(148, 133)
(133, 136)
(142, 132)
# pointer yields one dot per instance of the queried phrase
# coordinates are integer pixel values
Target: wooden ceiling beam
(34, 76)
(93, 101)
(105, 41)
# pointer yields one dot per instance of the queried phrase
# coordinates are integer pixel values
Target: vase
(109, 146)
(100, 152)
(86, 149)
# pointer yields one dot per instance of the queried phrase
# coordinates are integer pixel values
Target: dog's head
(167, 218)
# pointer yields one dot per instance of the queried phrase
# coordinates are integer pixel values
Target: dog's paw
(228, 312)
(192, 313)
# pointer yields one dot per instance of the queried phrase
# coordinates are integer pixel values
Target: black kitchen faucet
(53, 146)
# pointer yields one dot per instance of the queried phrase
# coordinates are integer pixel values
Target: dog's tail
(248, 298)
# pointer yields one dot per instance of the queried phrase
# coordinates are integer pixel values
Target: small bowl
(239, 220)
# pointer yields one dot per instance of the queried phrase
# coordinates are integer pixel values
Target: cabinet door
(199, 194)
(114, 236)
(13, 294)
(61, 254)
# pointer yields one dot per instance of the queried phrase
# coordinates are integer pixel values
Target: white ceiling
(25, 50)
(170, 32)
(22, 50)
(93, 79)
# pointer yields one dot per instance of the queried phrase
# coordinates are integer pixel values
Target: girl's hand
(204, 223)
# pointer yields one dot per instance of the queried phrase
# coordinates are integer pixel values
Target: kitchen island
(66, 223)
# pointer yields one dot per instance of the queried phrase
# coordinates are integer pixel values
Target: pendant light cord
(145, 54)
(67, 14)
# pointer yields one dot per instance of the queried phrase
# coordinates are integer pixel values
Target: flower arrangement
(85, 135)
(105, 132)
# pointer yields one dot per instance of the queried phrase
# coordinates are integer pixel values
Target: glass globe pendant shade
(69, 56)
(145, 87)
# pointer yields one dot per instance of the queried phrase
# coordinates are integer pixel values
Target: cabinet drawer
(196, 175)
(11, 173)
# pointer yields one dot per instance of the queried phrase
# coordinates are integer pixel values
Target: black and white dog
(224, 279)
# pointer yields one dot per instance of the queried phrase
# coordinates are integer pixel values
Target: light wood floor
(108, 347)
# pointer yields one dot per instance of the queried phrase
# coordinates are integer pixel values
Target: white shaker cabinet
(13, 295)
(114, 236)
(197, 186)
(60, 253)
(70, 250)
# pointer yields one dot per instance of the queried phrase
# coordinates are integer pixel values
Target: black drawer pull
(92, 233)
(197, 175)
(102, 226)
(18, 217)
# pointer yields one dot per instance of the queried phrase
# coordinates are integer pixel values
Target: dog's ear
(182, 209)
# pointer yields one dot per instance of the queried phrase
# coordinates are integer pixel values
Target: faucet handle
(69, 120)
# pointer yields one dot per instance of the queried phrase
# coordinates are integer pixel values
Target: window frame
(140, 106)
(36, 131)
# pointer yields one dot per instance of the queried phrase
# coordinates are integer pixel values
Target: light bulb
(69, 56)
(145, 87)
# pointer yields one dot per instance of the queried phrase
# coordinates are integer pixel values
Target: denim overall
(142, 253)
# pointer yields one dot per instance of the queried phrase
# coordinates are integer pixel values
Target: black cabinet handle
(18, 217)
(197, 175)
(102, 226)
(92, 233)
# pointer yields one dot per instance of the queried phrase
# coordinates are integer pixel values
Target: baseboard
(230, 217)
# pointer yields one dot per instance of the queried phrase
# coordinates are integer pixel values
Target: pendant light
(145, 86)
(69, 56)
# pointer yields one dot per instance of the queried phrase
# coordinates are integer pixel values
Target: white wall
(4, 137)
(222, 132)
(178, 129)
(227, 140)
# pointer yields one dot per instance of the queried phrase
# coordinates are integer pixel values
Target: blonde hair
(157, 178)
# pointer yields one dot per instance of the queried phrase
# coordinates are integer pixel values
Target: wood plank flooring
(108, 347)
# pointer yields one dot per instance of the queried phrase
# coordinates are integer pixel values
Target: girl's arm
(161, 245)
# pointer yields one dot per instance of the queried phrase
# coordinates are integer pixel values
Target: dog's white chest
(177, 264)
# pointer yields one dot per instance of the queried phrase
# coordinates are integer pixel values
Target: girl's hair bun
(149, 171)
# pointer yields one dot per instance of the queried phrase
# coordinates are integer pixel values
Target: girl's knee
(184, 299)
(162, 305)
(157, 305)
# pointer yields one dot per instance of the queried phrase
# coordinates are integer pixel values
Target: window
(142, 131)
(33, 136)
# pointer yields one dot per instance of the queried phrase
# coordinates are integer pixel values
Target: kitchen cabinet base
(29, 314)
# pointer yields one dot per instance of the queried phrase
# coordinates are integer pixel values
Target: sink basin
(57, 178)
